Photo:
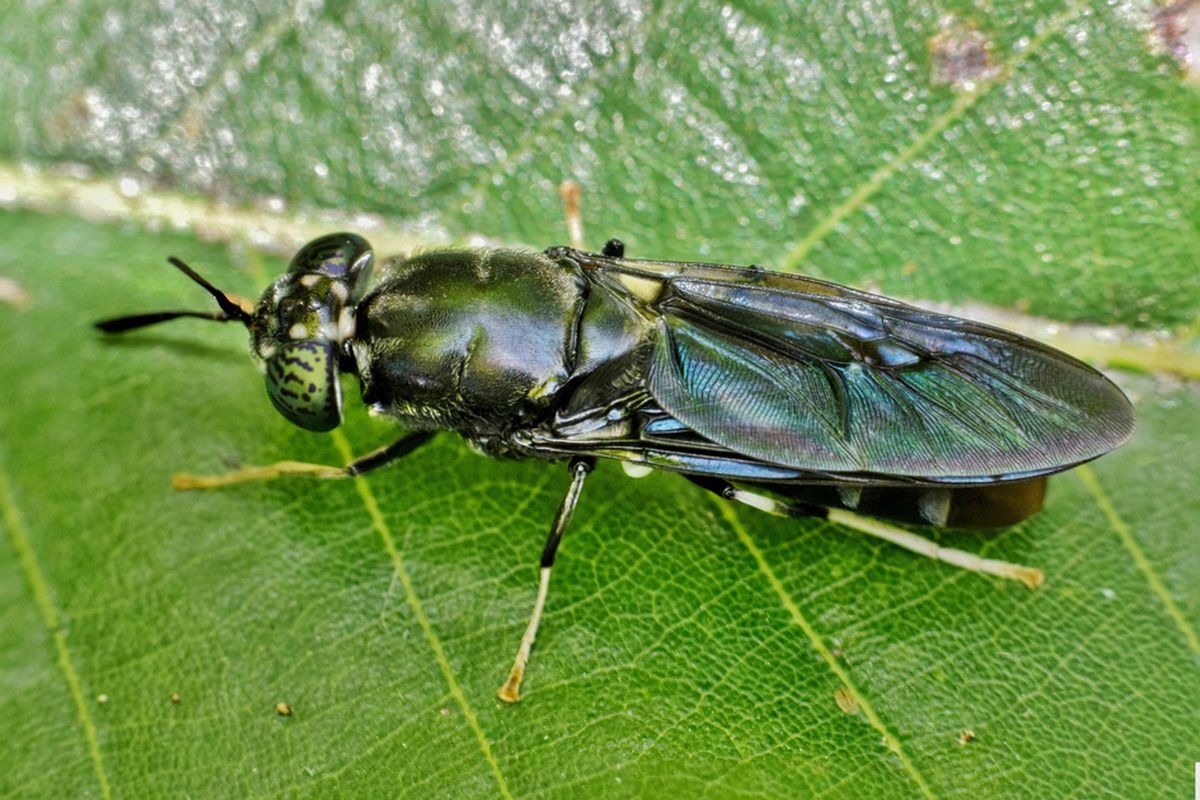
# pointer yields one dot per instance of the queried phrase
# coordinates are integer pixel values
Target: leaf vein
(41, 597)
(194, 111)
(1088, 477)
(883, 173)
(822, 649)
(414, 602)
(549, 120)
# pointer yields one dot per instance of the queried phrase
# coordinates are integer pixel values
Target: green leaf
(688, 646)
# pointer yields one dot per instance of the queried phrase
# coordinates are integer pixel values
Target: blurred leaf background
(1036, 156)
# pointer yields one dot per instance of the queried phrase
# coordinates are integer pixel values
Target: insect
(789, 394)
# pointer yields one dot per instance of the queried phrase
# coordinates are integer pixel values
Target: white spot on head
(636, 470)
(298, 331)
(310, 280)
(339, 289)
(345, 324)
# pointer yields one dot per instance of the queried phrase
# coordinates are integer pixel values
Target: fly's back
(478, 340)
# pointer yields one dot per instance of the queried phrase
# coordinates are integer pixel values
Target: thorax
(470, 340)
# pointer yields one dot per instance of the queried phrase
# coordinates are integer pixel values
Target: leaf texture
(690, 647)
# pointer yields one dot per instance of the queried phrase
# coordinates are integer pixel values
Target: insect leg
(359, 466)
(570, 192)
(388, 453)
(728, 491)
(580, 468)
(1030, 576)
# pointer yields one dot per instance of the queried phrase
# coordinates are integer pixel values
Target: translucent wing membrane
(843, 381)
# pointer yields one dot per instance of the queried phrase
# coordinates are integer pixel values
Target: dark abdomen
(986, 506)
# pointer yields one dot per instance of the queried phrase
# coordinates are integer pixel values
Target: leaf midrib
(36, 580)
(418, 609)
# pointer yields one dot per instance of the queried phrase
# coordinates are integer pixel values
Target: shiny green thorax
(468, 339)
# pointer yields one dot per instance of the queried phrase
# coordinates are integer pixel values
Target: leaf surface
(689, 647)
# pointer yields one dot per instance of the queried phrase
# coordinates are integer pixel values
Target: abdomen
(983, 506)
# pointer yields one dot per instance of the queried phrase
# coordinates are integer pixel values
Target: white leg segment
(1030, 576)
(510, 691)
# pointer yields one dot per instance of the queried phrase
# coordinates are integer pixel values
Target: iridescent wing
(806, 374)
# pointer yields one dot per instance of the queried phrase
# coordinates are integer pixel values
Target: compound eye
(343, 256)
(302, 382)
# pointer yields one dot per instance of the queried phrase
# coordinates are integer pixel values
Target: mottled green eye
(343, 256)
(302, 382)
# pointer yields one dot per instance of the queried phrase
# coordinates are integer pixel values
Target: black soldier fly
(793, 395)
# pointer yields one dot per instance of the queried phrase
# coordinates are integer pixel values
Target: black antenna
(122, 324)
(229, 309)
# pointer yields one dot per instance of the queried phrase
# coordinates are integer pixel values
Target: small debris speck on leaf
(1175, 31)
(845, 700)
(12, 293)
(175, 698)
(960, 56)
(966, 737)
(283, 709)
